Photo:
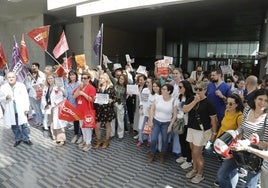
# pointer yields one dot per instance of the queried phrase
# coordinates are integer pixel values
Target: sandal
(191, 174)
(197, 179)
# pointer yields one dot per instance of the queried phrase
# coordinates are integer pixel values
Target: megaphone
(224, 142)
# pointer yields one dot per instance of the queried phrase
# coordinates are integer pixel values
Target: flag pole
(101, 43)
(56, 61)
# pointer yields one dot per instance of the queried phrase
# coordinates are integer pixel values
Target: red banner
(68, 112)
(40, 36)
(66, 66)
(3, 60)
(23, 51)
(61, 47)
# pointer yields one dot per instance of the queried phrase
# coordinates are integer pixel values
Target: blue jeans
(20, 134)
(159, 127)
(36, 105)
(227, 175)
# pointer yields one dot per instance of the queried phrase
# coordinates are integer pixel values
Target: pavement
(122, 164)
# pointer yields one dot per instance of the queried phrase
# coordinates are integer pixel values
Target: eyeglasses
(180, 87)
(84, 78)
(198, 89)
(229, 103)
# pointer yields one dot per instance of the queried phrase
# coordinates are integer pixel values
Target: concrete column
(264, 45)
(160, 42)
(91, 28)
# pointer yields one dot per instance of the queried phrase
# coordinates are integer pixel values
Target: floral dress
(106, 112)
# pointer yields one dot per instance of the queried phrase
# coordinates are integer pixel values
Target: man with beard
(217, 93)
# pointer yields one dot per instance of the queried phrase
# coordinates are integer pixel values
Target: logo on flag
(61, 47)
(40, 36)
(68, 112)
(16, 64)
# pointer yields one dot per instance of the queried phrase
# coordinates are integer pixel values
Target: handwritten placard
(132, 90)
(102, 98)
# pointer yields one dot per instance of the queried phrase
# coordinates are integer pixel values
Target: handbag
(178, 126)
(247, 160)
(90, 120)
(147, 128)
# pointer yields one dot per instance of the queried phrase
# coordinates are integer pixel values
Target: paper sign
(102, 98)
(132, 90)
(162, 68)
(117, 66)
(128, 58)
(226, 69)
(80, 61)
(170, 59)
(141, 69)
(59, 82)
(105, 59)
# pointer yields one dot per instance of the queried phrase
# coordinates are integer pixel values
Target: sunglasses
(229, 103)
(180, 87)
(84, 78)
(228, 81)
(198, 89)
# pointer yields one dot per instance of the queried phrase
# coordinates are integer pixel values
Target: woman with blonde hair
(105, 113)
(52, 96)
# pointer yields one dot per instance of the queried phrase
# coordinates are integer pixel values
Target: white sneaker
(186, 165)
(74, 139)
(136, 137)
(181, 160)
(79, 140)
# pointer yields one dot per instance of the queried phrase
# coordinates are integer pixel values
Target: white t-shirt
(163, 109)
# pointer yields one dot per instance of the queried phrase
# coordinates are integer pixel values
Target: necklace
(256, 115)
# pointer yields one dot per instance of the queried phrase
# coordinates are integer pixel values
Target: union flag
(40, 36)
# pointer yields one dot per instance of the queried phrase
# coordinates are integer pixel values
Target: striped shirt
(247, 128)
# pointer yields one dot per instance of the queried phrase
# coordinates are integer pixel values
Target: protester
(233, 114)
(202, 127)
(85, 95)
(186, 95)
(144, 107)
(217, 93)
(120, 87)
(16, 104)
(35, 85)
(72, 85)
(105, 112)
(52, 96)
(252, 122)
(162, 117)
(141, 82)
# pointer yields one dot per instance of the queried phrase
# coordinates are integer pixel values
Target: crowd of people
(210, 104)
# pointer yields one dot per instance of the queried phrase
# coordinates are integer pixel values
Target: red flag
(40, 36)
(68, 112)
(3, 60)
(65, 67)
(61, 47)
(23, 51)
